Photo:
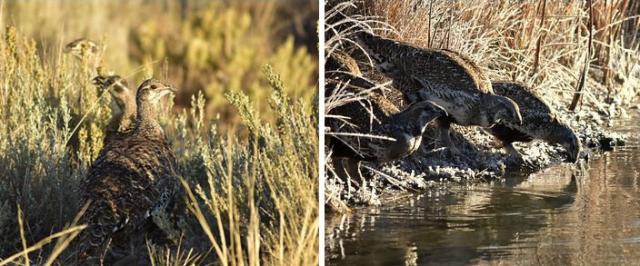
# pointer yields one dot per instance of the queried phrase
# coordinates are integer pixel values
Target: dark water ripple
(561, 216)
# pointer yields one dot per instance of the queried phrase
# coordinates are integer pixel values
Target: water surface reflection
(558, 216)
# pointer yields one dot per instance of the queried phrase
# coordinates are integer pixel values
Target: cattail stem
(540, 37)
(583, 76)
(429, 37)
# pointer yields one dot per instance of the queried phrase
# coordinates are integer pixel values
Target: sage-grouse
(131, 184)
(82, 46)
(539, 122)
(123, 106)
(443, 77)
(387, 133)
(85, 50)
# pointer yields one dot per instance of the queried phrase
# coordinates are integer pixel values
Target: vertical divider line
(321, 155)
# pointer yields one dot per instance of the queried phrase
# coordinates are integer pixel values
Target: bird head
(500, 109)
(81, 48)
(418, 115)
(569, 141)
(117, 87)
(151, 91)
(428, 111)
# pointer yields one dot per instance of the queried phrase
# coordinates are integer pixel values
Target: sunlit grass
(252, 200)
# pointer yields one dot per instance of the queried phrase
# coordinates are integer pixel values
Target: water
(559, 216)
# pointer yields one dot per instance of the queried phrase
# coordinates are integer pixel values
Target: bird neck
(556, 133)
(486, 112)
(146, 121)
(128, 116)
(123, 119)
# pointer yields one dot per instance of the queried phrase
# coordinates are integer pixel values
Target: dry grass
(541, 43)
(213, 47)
(256, 196)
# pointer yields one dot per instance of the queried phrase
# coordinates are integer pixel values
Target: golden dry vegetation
(243, 125)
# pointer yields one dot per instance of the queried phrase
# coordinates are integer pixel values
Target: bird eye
(154, 86)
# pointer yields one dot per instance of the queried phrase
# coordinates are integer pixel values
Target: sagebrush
(253, 187)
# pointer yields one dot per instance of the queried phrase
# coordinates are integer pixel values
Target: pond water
(562, 215)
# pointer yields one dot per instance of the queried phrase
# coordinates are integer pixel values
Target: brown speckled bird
(123, 106)
(131, 183)
(86, 51)
(539, 121)
(82, 46)
(444, 77)
(391, 133)
(401, 131)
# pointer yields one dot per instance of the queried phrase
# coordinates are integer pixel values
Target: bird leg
(445, 137)
(511, 150)
(346, 169)
(508, 147)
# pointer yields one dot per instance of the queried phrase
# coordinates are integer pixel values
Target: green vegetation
(254, 198)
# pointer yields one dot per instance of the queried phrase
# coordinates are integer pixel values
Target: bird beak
(67, 49)
(572, 154)
(168, 89)
(162, 92)
(442, 111)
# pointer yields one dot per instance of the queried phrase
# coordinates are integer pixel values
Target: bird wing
(125, 184)
(531, 104)
(117, 201)
(436, 66)
(508, 133)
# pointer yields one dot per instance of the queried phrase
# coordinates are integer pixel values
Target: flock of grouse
(132, 187)
(427, 85)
